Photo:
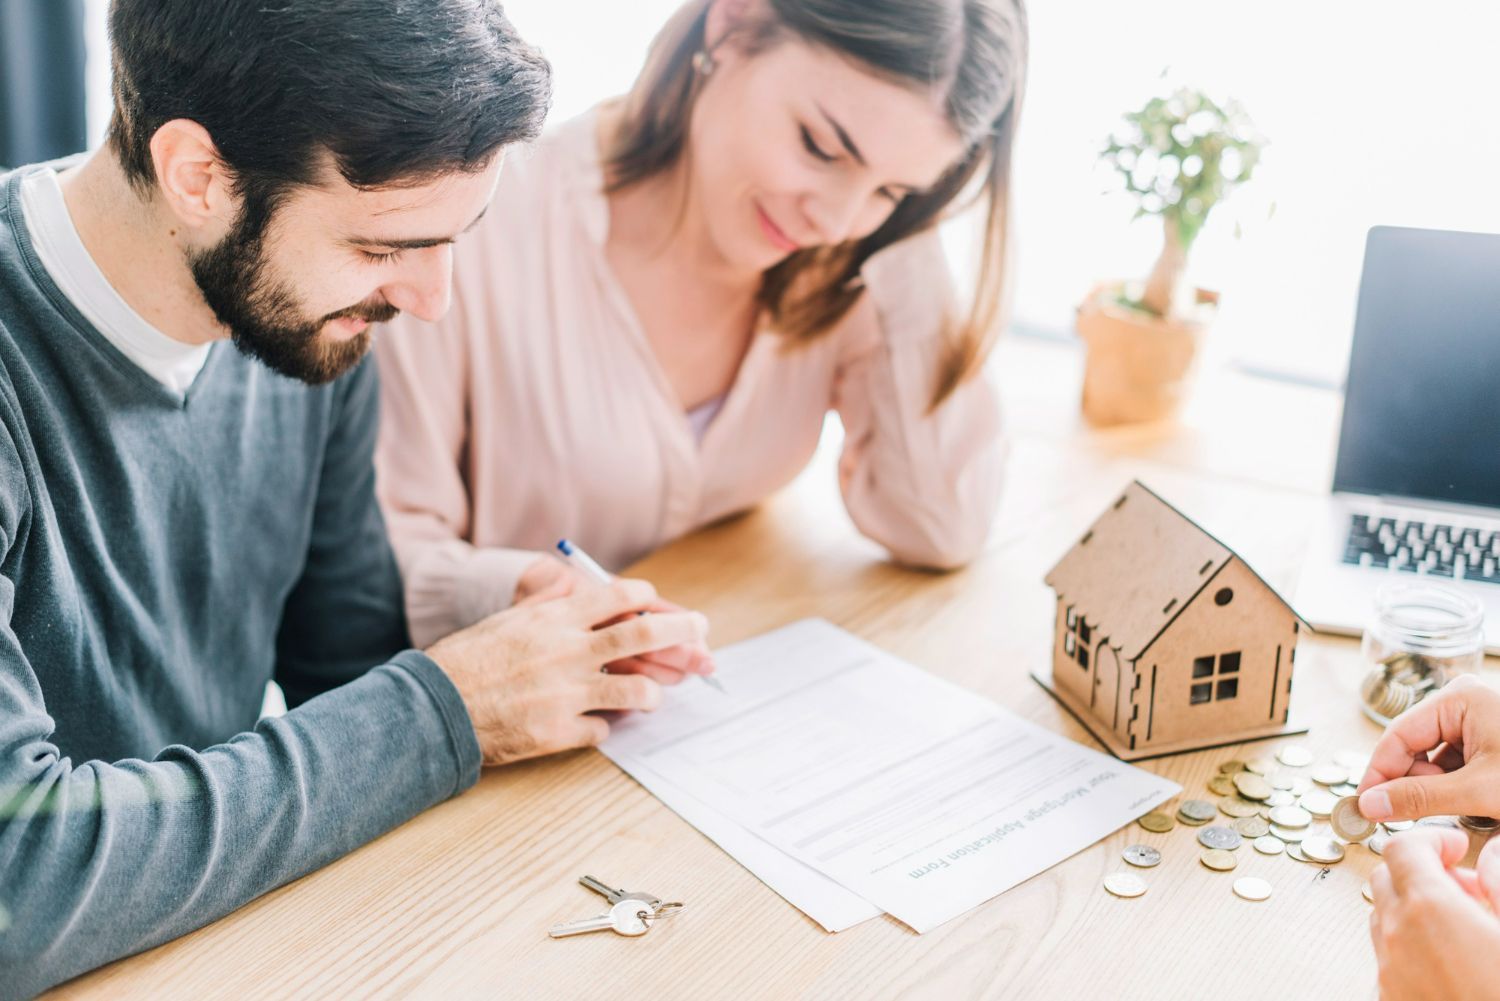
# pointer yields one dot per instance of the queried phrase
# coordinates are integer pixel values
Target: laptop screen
(1422, 405)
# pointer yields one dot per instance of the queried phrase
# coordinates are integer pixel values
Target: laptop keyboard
(1429, 548)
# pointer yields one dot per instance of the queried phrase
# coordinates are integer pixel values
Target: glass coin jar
(1422, 636)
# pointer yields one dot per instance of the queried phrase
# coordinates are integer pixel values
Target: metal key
(615, 896)
(628, 917)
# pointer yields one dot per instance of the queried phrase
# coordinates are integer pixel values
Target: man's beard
(262, 314)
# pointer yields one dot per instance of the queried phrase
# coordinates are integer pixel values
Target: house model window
(1216, 679)
(1077, 639)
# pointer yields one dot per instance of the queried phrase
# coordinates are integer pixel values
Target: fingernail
(1375, 804)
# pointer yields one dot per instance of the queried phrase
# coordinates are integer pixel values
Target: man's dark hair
(396, 91)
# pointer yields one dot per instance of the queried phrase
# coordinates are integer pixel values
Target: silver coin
(1281, 797)
(1325, 850)
(1252, 888)
(1348, 823)
(1295, 756)
(1290, 816)
(1280, 782)
(1295, 851)
(1225, 838)
(1347, 789)
(1398, 825)
(1290, 835)
(1319, 803)
(1480, 825)
(1449, 822)
(1378, 841)
(1269, 845)
(1261, 766)
(1199, 810)
(1142, 856)
(1330, 775)
(1124, 884)
(1301, 784)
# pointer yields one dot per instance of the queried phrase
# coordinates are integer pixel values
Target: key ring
(668, 909)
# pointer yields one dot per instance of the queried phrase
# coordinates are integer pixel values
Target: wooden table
(456, 903)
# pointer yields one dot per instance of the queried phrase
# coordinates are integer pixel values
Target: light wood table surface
(456, 903)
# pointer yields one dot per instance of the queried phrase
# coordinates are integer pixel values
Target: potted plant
(1179, 156)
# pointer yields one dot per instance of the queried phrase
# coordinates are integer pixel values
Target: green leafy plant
(1180, 156)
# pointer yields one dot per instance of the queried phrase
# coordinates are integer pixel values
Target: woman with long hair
(670, 293)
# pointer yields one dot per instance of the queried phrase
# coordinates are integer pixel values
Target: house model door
(1106, 700)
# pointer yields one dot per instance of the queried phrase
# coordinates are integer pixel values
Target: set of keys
(629, 913)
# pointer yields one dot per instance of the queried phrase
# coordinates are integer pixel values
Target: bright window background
(1378, 112)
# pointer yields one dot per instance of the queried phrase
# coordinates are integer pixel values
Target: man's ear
(191, 179)
(724, 16)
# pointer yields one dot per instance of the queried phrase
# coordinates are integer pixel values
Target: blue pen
(576, 558)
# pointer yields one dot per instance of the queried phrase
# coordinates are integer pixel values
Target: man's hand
(1434, 926)
(1440, 757)
(531, 675)
(549, 577)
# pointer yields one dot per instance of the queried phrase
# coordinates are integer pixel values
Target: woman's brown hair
(972, 50)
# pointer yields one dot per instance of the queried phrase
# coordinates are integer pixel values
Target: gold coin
(1261, 766)
(1232, 766)
(1125, 884)
(1252, 827)
(1348, 823)
(1233, 806)
(1325, 850)
(1269, 845)
(1252, 888)
(1157, 823)
(1218, 859)
(1221, 785)
(1253, 786)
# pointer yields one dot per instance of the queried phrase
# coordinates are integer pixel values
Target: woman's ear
(191, 179)
(724, 16)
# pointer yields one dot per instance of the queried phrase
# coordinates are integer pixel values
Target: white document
(911, 793)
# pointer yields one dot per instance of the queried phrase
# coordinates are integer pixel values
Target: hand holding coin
(1441, 757)
(1434, 926)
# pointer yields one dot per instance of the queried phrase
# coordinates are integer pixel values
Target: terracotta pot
(1138, 364)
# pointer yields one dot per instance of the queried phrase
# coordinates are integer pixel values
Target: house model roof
(1139, 565)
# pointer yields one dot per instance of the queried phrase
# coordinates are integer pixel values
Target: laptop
(1416, 488)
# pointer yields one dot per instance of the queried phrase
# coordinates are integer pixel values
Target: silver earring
(703, 63)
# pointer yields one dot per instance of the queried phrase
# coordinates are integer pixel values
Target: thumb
(1418, 796)
(1488, 871)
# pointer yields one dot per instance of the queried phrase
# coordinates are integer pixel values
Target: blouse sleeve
(924, 484)
(449, 583)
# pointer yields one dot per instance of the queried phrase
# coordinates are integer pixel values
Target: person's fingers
(1450, 757)
(658, 673)
(1468, 881)
(678, 658)
(619, 598)
(560, 588)
(1419, 859)
(1487, 868)
(646, 634)
(1381, 888)
(1411, 735)
(1421, 768)
(624, 691)
(587, 731)
(1417, 797)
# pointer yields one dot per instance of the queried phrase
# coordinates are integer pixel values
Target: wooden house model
(1165, 640)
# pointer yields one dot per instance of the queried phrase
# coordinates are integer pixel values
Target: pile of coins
(1282, 805)
(1400, 682)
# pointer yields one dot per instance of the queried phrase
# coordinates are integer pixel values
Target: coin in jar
(1218, 859)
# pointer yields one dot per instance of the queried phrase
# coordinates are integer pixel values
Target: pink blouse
(536, 409)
